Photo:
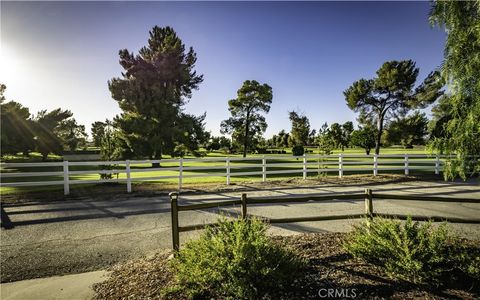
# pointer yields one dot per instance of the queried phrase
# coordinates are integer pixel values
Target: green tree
(192, 133)
(98, 130)
(326, 143)
(272, 142)
(408, 131)
(152, 92)
(459, 134)
(247, 122)
(3, 87)
(213, 143)
(225, 143)
(336, 134)
(300, 128)
(347, 129)
(312, 137)
(441, 115)
(282, 138)
(73, 135)
(16, 126)
(364, 138)
(110, 147)
(392, 93)
(46, 127)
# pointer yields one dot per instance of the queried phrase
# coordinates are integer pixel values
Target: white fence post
(437, 164)
(340, 165)
(129, 179)
(406, 165)
(304, 166)
(180, 174)
(228, 170)
(264, 169)
(375, 164)
(66, 185)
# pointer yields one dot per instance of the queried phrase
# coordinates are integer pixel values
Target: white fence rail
(232, 166)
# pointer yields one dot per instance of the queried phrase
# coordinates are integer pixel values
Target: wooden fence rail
(368, 197)
(61, 173)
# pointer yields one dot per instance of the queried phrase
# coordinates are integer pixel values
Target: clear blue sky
(61, 54)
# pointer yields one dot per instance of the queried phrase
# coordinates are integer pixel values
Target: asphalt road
(61, 237)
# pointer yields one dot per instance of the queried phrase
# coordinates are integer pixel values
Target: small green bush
(298, 150)
(412, 251)
(235, 259)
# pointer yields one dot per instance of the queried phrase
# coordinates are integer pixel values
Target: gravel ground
(329, 267)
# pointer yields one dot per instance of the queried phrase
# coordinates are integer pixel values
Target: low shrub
(413, 251)
(235, 259)
(298, 150)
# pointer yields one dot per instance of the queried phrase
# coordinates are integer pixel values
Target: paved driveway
(61, 237)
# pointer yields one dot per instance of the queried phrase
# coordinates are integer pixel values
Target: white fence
(226, 167)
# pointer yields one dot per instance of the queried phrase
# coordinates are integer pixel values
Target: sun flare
(9, 65)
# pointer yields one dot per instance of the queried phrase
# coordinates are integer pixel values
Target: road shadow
(85, 208)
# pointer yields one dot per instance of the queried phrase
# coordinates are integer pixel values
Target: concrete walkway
(74, 236)
(71, 287)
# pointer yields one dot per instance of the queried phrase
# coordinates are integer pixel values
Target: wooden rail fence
(368, 197)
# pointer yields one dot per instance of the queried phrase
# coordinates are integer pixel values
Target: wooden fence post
(174, 212)
(304, 167)
(227, 163)
(340, 165)
(66, 184)
(437, 164)
(244, 206)
(375, 164)
(129, 179)
(264, 169)
(369, 203)
(406, 165)
(180, 174)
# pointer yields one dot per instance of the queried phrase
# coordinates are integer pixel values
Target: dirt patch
(329, 267)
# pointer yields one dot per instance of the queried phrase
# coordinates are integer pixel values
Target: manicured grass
(283, 160)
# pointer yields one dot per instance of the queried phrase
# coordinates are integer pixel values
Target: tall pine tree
(152, 91)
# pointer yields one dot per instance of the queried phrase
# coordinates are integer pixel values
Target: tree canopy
(457, 126)
(247, 122)
(391, 93)
(72, 134)
(152, 91)
(47, 127)
(300, 128)
(16, 126)
(408, 131)
(364, 138)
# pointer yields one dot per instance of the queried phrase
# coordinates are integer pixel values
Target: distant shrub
(413, 251)
(298, 150)
(236, 259)
(261, 150)
(180, 150)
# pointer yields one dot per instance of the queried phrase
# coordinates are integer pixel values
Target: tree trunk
(245, 141)
(367, 151)
(379, 134)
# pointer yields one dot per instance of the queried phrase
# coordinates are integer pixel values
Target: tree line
(46, 132)
(158, 81)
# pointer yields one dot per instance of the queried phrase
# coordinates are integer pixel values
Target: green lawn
(284, 163)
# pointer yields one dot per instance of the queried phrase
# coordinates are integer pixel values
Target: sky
(62, 54)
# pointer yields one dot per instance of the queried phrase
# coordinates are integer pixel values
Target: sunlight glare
(9, 65)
